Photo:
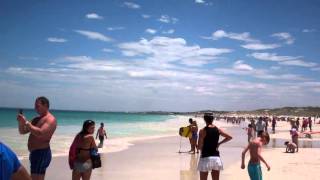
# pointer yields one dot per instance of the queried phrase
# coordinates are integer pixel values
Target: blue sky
(172, 55)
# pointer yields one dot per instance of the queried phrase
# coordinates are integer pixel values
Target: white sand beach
(159, 159)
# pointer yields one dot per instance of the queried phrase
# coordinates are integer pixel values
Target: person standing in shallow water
(209, 144)
(101, 133)
(40, 130)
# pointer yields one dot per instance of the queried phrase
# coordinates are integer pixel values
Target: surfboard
(185, 132)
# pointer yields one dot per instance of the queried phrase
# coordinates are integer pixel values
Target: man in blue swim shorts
(10, 167)
(40, 131)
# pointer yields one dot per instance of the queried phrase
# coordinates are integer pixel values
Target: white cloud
(107, 50)
(94, 35)
(273, 57)
(200, 1)
(309, 30)
(167, 49)
(170, 31)
(239, 65)
(151, 31)
(93, 16)
(132, 5)
(56, 40)
(115, 28)
(283, 60)
(235, 36)
(260, 46)
(146, 16)
(298, 63)
(284, 36)
(168, 19)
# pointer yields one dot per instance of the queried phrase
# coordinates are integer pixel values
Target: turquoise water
(117, 124)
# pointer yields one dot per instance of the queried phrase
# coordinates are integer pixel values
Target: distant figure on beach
(273, 123)
(250, 132)
(304, 124)
(253, 128)
(10, 166)
(190, 137)
(310, 123)
(298, 124)
(295, 137)
(254, 147)
(82, 166)
(194, 138)
(290, 147)
(41, 129)
(260, 126)
(209, 144)
(101, 133)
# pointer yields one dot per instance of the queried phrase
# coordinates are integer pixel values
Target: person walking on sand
(82, 167)
(209, 144)
(101, 133)
(10, 166)
(40, 129)
(194, 138)
(310, 123)
(273, 124)
(260, 126)
(255, 146)
(190, 137)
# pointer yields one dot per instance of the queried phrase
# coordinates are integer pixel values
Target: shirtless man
(255, 146)
(101, 133)
(41, 129)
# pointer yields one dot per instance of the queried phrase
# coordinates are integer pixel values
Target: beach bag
(73, 151)
(95, 158)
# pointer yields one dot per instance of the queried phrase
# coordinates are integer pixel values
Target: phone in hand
(20, 111)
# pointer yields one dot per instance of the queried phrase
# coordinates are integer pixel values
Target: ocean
(121, 128)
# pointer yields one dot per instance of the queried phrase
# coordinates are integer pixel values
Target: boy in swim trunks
(255, 147)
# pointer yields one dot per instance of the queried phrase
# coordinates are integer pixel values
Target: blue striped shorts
(40, 160)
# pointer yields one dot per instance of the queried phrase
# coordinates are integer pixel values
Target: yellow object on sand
(185, 132)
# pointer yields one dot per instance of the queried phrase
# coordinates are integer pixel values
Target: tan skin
(255, 147)
(40, 133)
(21, 174)
(202, 134)
(83, 156)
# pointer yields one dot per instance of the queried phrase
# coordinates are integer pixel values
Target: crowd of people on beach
(84, 157)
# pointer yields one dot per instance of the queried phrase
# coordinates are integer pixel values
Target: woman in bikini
(83, 165)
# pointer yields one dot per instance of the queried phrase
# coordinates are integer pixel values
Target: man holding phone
(40, 129)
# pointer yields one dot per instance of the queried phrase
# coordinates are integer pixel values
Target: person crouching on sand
(209, 144)
(255, 146)
(83, 164)
(290, 147)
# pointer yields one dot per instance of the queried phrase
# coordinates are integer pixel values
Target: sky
(168, 55)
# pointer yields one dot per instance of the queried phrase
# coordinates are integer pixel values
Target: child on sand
(294, 136)
(290, 147)
(255, 146)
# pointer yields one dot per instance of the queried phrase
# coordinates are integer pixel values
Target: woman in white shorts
(209, 143)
